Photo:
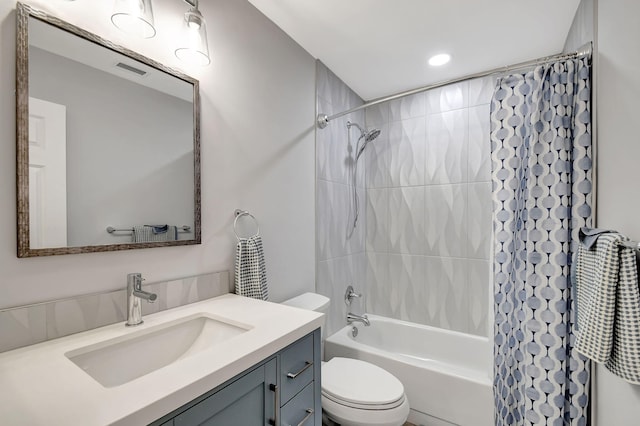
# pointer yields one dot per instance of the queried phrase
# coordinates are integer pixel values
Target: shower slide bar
(111, 229)
(585, 50)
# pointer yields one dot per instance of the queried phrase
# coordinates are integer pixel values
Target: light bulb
(438, 60)
(134, 17)
(194, 48)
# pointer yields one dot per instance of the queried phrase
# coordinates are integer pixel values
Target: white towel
(146, 234)
(608, 302)
(251, 271)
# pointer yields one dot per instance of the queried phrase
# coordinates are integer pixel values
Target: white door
(47, 174)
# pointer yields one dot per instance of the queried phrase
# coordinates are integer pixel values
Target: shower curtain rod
(322, 120)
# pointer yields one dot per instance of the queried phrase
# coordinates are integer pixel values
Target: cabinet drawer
(300, 410)
(296, 367)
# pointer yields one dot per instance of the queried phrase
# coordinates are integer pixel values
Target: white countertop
(39, 385)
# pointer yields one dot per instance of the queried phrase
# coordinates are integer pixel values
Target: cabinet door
(248, 401)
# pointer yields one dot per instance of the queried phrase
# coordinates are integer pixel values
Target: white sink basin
(120, 360)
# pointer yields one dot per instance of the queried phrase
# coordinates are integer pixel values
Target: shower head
(371, 135)
(368, 136)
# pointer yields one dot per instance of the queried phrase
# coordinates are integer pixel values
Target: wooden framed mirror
(108, 144)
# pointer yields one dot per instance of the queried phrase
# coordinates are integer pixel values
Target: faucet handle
(350, 294)
(135, 279)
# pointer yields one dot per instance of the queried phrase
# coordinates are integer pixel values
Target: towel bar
(239, 213)
(631, 244)
(111, 229)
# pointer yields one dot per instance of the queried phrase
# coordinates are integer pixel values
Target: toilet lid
(358, 382)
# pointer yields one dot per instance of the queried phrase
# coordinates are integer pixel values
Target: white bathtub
(446, 374)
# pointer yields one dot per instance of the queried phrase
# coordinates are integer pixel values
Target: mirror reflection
(111, 147)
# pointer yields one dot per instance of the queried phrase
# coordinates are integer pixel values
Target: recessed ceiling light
(441, 59)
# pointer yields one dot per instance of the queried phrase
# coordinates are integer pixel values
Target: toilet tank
(310, 301)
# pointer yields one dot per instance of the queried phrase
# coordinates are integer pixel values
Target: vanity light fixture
(194, 48)
(134, 17)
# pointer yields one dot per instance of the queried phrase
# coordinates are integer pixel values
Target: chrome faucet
(134, 294)
(358, 318)
(350, 295)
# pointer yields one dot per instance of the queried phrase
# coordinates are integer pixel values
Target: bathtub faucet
(358, 318)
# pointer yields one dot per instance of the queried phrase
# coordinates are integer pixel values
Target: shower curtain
(542, 179)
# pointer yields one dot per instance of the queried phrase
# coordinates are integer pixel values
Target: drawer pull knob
(307, 364)
(307, 417)
(309, 412)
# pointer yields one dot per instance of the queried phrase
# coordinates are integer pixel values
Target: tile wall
(421, 249)
(340, 254)
(32, 324)
(428, 208)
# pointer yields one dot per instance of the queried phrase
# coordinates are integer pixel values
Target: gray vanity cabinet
(247, 401)
(282, 390)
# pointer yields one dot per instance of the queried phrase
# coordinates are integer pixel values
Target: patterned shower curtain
(542, 179)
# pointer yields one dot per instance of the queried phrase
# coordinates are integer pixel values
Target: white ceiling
(381, 47)
(83, 51)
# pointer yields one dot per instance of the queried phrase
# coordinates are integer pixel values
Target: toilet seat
(355, 392)
(365, 406)
(358, 383)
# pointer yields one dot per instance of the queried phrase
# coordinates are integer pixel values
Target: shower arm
(322, 120)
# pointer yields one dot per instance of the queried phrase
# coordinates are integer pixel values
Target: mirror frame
(23, 13)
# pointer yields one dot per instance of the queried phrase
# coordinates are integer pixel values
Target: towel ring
(239, 213)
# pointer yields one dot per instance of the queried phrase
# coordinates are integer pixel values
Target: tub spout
(358, 318)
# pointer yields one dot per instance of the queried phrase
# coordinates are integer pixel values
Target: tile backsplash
(27, 325)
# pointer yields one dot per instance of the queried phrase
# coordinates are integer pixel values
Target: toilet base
(347, 416)
(326, 421)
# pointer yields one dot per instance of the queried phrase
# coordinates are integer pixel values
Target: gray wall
(618, 92)
(109, 171)
(257, 154)
(613, 26)
(582, 29)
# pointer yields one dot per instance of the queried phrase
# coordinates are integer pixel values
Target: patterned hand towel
(609, 306)
(154, 233)
(251, 272)
(588, 238)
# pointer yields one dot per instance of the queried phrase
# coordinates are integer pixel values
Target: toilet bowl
(358, 393)
(355, 392)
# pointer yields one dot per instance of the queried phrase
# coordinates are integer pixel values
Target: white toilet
(355, 392)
